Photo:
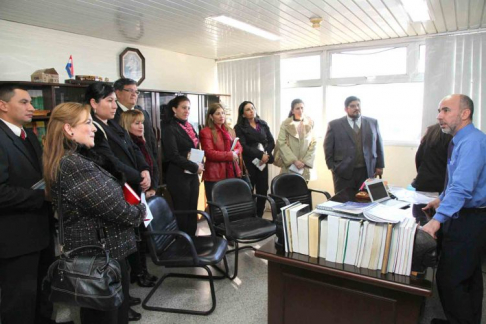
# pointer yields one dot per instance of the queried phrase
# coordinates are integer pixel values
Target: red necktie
(22, 134)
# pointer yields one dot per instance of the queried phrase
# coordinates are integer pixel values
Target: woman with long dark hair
(296, 144)
(114, 143)
(217, 139)
(258, 143)
(178, 138)
(91, 188)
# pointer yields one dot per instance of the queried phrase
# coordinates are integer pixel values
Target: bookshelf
(46, 96)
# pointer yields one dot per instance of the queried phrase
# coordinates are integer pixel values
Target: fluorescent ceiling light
(417, 9)
(245, 27)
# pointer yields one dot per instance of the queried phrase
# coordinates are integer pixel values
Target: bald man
(461, 214)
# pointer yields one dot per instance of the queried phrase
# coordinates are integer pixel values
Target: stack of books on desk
(383, 246)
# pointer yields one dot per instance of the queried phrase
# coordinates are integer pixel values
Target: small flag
(70, 67)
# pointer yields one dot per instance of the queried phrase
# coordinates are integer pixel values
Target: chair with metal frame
(287, 188)
(173, 248)
(233, 212)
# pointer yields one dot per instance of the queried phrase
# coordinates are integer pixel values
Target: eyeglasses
(132, 91)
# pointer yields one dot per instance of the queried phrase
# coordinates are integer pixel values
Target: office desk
(306, 290)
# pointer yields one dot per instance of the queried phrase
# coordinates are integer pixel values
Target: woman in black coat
(92, 193)
(114, 143)
(258, 143)
(178, 138)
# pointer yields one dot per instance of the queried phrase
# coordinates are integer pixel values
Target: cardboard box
(45, 75)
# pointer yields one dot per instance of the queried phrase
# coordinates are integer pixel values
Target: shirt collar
(351, 120)
(123, 107)
(14, 128)
(463, 132)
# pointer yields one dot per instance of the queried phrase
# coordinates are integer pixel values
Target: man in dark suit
(127, 94)
(353, 148)
(24, 229)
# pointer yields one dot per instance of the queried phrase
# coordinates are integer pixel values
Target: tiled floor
(243, 300)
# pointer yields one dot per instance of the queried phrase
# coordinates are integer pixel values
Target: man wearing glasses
(127, 95)
(353, 148)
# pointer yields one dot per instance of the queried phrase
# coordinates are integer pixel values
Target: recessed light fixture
(245, 27)
(417, 9)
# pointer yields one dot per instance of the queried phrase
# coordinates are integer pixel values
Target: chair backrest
(164, 220)
(236, 196)
(291, 186)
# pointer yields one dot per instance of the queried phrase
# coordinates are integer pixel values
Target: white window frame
(412, 74)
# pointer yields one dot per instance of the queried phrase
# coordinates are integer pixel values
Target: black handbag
(88, 281)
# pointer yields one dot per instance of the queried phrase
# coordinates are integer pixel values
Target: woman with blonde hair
(216, 140)
(296, 145)
(132, 122)
(92, 192)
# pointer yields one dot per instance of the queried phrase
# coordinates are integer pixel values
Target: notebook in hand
(378, 193)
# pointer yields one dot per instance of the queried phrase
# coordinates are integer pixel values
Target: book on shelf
(351, 207)
(323, 237)
(328, 205)
(352, 243)
(332, 238)
(314, 234)
(386, 254)
(294, 214)
(303, 231)
(342, 239)
(286, 226)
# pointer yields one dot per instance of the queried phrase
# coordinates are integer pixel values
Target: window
(369, 63)
(300, 68)
(396, 106)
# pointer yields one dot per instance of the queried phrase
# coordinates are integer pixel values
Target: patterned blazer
(90, 193)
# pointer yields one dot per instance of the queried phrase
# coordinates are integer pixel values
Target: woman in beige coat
(296, 145)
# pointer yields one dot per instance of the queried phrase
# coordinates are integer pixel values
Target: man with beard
(461, 214)
(353, 148)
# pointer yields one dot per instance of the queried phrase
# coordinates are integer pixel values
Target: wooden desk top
(408, 284)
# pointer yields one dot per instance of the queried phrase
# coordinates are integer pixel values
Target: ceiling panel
(183, 26)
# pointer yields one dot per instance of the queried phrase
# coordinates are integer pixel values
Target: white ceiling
(182, 25)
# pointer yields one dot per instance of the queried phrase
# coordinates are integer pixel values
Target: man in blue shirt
(461, 214)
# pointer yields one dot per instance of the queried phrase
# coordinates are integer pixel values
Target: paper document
(235, 141)
(385, 214)
(294, 169)
(413, 197)
(39, 185)
(148, 216)
(195, 156)
(256, 162)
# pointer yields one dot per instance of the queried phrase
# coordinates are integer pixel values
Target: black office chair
(288, 188)
(172, 248)
(233, 212)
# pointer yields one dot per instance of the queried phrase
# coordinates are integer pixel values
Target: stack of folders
(350, 239)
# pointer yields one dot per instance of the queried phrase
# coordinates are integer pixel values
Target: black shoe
(133, 316)
(134, 301)
(150, 277)
(142, 281)
(439, 321)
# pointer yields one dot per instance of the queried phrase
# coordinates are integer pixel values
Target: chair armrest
(224, 211)
(325, 193)
(181, 234)
(276, 197)
(204, 214)
(273, 206)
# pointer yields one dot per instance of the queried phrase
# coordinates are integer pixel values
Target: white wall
(399, 169)
(24, 49)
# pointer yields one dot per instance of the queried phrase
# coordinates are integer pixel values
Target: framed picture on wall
(132, 65)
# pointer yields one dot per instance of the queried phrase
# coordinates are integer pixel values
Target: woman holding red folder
(217, 138)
